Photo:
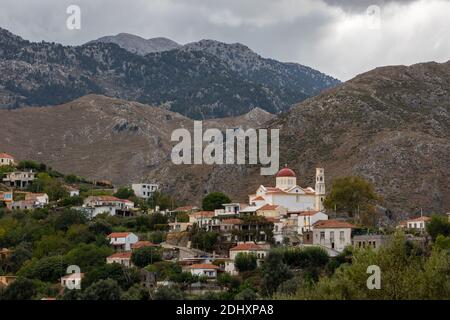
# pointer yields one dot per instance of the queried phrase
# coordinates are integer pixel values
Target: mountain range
(390, 125)
(200, 80)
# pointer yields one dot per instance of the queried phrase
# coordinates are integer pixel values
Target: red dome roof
(285, 172)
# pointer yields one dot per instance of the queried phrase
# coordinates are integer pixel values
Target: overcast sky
(340, 38)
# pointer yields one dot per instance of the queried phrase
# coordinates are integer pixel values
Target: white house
(229, 209)
(417, 223)
(95, 205)
(122, 241)
(40, 199)
(288, 194)
(260, 251)
(144, 190)
(306, 220)
(205, 270)
(73, 192)
(333, 235)
(204, 219)
(123, 258)
(6, 159)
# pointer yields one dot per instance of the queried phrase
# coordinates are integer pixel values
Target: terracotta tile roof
(118, 235)
(232, 221)
(268, 207)
(424, 218)
(273, 219)
(308, 213)
(246, 247)
(258, 198)
(203, 266)
(203, 214)
(120, 255)
(6, 156)
(108, 198)
(142, 244)
(327, 224)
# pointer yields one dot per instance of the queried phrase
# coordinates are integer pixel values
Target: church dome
(285, 172)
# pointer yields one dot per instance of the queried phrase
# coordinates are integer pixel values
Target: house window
(341, 236)
(322, 235)
(331, 236)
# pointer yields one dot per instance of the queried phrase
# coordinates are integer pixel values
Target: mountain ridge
(196, 83)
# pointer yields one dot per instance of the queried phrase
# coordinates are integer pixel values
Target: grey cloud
(329, 35)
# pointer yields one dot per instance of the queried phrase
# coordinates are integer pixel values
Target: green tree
(67, 218)
(438, 225)
(169, 293)
(21, 289)
(124, 193)
(125, 277)
(246, 294)
(107, 289)
(87, 256)
(245, 262)
(214, 200)
(274, 272)
(351, 194)
(51, 245)
(204, 240)
(142, 257)
(47, 269)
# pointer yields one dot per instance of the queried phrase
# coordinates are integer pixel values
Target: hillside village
(135, 242)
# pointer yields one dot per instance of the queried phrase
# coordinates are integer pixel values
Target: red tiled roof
(424, 218)
(246, 247)
(120, 255)
(307, 213)
(232, 221)
(258, 198)
(203, 266)
(142, 244)
(7, 156)
(118, 235)
(109, 198)
(327, 224)
(286, 172)
(203, 214)
(268, 207)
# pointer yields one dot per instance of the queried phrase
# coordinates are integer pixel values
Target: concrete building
(306, 220)
(374, 241)
(333, 235)
(19, 179)
(144, 190)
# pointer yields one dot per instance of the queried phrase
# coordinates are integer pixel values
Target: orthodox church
(289, 195)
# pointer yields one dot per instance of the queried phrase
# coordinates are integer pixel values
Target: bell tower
(320, 188)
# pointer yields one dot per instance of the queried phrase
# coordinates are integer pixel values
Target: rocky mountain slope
(193, 82)
(139, 45)
(103, 138)
(390, 125)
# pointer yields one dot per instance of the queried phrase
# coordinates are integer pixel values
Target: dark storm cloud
(336, 37)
